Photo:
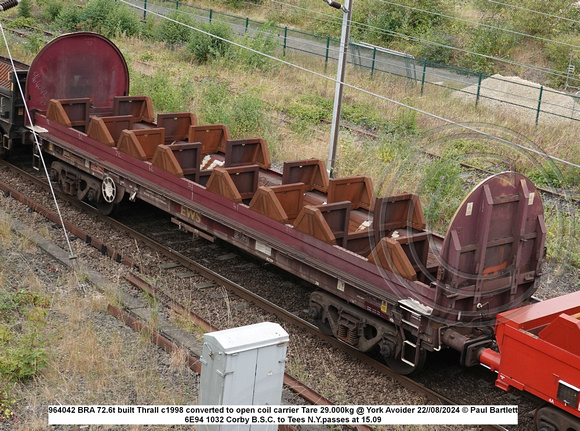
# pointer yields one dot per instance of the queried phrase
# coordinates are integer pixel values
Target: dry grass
(95, 362)
(394, 160)
(92, 358)
(285, 86)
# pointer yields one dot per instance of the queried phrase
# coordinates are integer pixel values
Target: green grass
(563, 234)
(22, 352)
(290, 109)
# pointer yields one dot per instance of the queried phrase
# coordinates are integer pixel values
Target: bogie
(550, 418)
(104, 195)
(366, 332)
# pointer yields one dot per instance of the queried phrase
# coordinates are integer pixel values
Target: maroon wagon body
(488, 262)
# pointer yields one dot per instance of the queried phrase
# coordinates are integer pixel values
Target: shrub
(173, 32)
(50, 9)
(21, 22)
(561, 56)
(395, 19)
(68, 19)
(110, 19)
(248, 116)
(435, 46)
(441, 183)
(25, 9)
(101, 16)
(165, 95)
(21, 357)
(542, 23)
(244, 114)
(35, 42)
(238, 4)
(491, 43)
(205, 47)
(264, 41)
(23, 362)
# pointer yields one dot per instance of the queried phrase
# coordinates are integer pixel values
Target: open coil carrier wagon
(384, 281)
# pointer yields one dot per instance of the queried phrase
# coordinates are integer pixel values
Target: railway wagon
(384, 282)
(539, 352)
(11, 105)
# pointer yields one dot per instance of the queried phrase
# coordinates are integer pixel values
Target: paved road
(378, 60)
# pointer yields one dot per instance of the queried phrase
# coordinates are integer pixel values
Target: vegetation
(244, 113)
(467, 34)
(22, 354)
(263, 41)
(57, 343)
(256, 96)
(211, 42)
(176, 29)
(101, 16)
(166, 96)
(25, 9)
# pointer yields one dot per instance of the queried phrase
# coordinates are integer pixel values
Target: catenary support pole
(342, 60)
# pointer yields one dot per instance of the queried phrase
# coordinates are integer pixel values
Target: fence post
(326, 58)
(145, 9)
(423, 77)
(478, 88)
(285, 38)
(177, 4)
(247, 22)
(210, 14)
(539, 104)
(373, 64)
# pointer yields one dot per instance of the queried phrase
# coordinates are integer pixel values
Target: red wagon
(539, 352)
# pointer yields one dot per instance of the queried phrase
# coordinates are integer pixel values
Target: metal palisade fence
(533, 101)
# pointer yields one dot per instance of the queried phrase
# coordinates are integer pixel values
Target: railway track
(406, 331)
(26, 31)
(214, 278)
(486, 172)
(292, 383)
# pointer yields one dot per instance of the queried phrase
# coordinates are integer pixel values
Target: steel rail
(167, 345)
(231, 286)
(305, 392)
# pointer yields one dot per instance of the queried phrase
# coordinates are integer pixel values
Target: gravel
(331, 372)
(519, 96)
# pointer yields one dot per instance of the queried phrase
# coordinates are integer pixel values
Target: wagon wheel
(106, 203)
(551, 418)
(315, 313)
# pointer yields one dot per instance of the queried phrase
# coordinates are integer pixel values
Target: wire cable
(383, 31)
(309, 11)
(518, 33)
(38, 147)
(369, 93)
(535, 11)
(404, 36)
